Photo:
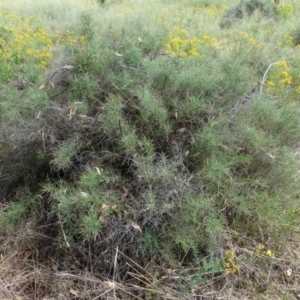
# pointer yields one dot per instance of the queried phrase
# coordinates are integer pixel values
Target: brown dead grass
(26, 273)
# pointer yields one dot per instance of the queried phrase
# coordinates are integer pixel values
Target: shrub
(246, 8)
(132, 151)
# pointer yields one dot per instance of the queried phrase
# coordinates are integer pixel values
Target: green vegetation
(149, 150)
(247, 8)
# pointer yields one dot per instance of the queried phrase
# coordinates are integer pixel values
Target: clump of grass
(64, 154)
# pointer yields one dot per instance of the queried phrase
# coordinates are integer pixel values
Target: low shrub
(140, 148)
(247, 8)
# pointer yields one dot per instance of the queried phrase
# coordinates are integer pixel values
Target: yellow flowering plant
(286, 9)
(262, 250)
(25, 42)
(281, 77)
(230, 267)
(181, 44)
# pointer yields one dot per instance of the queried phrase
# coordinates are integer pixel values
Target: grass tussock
(146, 154)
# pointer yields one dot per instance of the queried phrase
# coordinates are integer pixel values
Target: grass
(149, 150)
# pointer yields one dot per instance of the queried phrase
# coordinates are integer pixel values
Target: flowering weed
(181, 44)
(230, 267)
(286, 10)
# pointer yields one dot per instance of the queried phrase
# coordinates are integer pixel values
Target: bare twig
(52, 97)
(64, 235)
(265, 75)
(115, 268)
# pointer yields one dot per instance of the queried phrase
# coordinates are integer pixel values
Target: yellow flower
(252, 40)
(229, 266)
(288, 39)
(192, 52)
(286, 79)
(282, 63)
(43, 65)
(269, 253)
(286, 9)
(260, 249)
(270, 85)
(180, 43)
(229, 256)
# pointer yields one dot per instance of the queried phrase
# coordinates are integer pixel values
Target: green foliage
(64, 154)
(266, 7)
(82, 210)
(5, 70)
(190, 227)
(161, 74)
(279, 124)
(247, 8)
(33, 74)
(154, 115)
(149, 242)
(296, 37)
(13, 215)
(10, 105)
(141, 150)
(90, 225)
(129, 139)
(132, 54)
(111, 116)
(84, 56)
(84, 87)
(150, 44)
(212, 265)
(101, 1)
(87, 26)
(28, 206)
(5, 34)
(33, 103)
(94, 179)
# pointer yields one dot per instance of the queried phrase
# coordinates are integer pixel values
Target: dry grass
(25, 274)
